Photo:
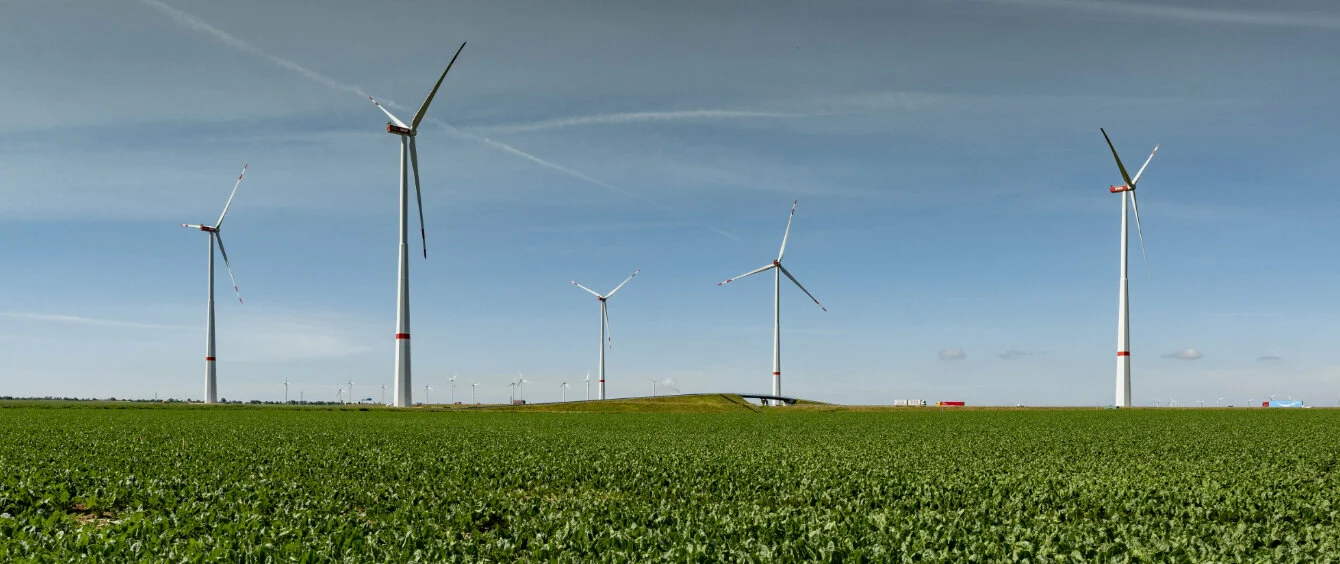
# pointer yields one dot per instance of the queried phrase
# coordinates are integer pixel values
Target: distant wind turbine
(588, 385)
(426, 389)
(564, 390)
(453, 388)
(472, 392)
(1123, 398)
(778, 271)
(211, 378)
(407, 133)
(604, 324)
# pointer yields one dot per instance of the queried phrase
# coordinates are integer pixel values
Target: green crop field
(720, 481)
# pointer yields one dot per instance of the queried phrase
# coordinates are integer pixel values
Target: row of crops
(277, 484)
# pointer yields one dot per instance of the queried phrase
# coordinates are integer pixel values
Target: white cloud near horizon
(1184, 354)
(953, 354)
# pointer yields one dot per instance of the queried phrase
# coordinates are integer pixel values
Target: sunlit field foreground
(718, 481)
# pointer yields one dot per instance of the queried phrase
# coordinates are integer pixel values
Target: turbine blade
(1139, 231)
(414, 161)
(424, 109)
(1120, 166)
(1142, 167)
(230, 197)
(750, 273)
(388, 113)
(616, 288)
(593, 292)
(802, 288)
(782, 253)
(200, 227)
(229, 267)
(609, 339)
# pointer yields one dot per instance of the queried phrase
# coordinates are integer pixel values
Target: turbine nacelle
(205, 228)
(1115, 189)
(399, 130)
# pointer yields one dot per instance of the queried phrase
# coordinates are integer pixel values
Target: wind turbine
(521, 387)
(1123, 398)
(351, 391)
(564, 390)
(513, 386)
(604, 326)
(286, 390)
(778, 271)
(453, 388)
(653, 386)
(211, 377)
(472, 393)
(383, 394)
(407, 133)
(1218, 401)
(426, 389)
(588, 385)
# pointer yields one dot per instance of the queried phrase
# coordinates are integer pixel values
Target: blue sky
(946, 156)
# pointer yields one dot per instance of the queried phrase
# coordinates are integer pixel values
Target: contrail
(228, 39)
(90, 321)
(637, 117)
(1203, 15)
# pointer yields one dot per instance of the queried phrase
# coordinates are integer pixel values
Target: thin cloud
(639, 117)
(953, 354)
(197, 24)
(1016, 354)
(1184, 354)
(1195, 15)
(92, 322)
(1270, 358)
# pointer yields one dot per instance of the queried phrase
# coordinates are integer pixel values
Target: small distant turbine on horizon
(564, 390)
(402, 393)
(426, 389)
(604, 327)
(588, 385)
(211, 377)
(452, 380)
(778, 271)
(1127, 191)
(473, 385)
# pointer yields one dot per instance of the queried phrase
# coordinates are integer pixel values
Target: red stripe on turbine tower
(209, 359)
(776, 373)
(1123, 353)
(402, 335)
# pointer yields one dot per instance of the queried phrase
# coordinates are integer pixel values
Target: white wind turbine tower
(426, 389)
(401, 393)
(472, 392)
(604, 328)
(211, 377)
(564, 390)
(778, 271)
(1123, 396)
(453, 387)
(588, 385)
